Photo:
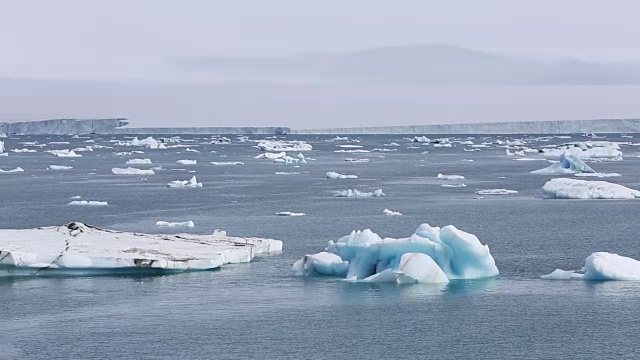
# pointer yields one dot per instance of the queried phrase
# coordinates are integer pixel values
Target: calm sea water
(260, 310)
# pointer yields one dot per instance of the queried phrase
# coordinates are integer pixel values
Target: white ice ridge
(88, 203)
(191, 183)
(16, 170)
(354, 193)
(335, 175)
(187, 162)
(569, 164)
(131, 171)
(391, 212)
(81, 249)
(450, 177)
(601, 266)
(496, 192)
(563, 188)
(138, 161)
(175, 224)
(431, 254)
(59, 167)
(276, 146)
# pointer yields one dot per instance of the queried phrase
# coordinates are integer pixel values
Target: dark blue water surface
(260, 310)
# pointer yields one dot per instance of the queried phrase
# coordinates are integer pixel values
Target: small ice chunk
(175, 224)
(391, 212)
(187, 162)
(138, 161)
(59, 167)
(496, 192)
(226, 163)
(191, 183)
(355, 193)
(15, 170)
(88, 203)
(335, 175)
(450, 177)
(288, 213)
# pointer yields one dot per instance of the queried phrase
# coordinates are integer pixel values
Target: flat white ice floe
(79, 249)
(354, 193)
(132, 171)
(189, 224)
(598, 175)
(430, 255)
(601, 266)
(563, 188)
(149, 143)
(495, 192)
(335, 175)
(289, 213)
(18, 151)
(187, 162)
(454, 185)
(191, 183)
(88, 203)
(391, 212)
(226, 163)
(138, 162)
(450, 177)
(59, 167)
(15, 170)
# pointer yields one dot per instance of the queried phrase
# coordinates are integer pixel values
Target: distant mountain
(420, 64)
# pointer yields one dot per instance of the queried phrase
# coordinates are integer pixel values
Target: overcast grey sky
(124, 38)
(136, 39)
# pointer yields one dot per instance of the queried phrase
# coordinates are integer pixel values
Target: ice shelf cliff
(63, 126)
(515, 127)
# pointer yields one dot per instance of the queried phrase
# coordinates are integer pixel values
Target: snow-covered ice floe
(299, 159)
(189, 224)
(569, 164)
(430, 255)
(355, 193)
(59, 167)
(289, 213)
(88, 203)
(391, 212)
(11, 171)
(138, 162)
(563, 188)
(132, 171)
(598, 175)
(586, 150)
(450, 177)
(149, 143)
(79, 249)
(276, 146)
(64, 153)
(453, 185)
(495, 192)
(335, 175)
(187, 162)
(271, 156)
(601, 266)
(191, 183)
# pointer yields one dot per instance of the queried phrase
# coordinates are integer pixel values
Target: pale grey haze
(319, 64)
